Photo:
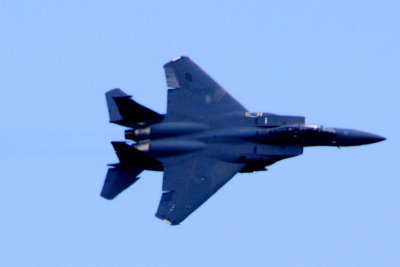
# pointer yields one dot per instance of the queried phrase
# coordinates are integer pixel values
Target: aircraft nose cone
(369, 138)
(355, 137)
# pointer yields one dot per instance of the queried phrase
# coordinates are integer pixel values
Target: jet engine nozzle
(166, 129)
(138, 134)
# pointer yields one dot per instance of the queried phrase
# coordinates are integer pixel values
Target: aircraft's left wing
(188, 182)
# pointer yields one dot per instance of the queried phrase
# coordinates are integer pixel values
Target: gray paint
(205, 138)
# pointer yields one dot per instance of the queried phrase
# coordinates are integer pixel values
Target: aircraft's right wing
(189, 181)
(195, 95)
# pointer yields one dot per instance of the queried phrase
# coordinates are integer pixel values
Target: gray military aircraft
(204, 139)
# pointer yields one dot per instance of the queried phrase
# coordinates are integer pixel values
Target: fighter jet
(204, 139)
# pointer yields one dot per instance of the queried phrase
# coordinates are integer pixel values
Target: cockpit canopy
(317, 128)
(304, 130)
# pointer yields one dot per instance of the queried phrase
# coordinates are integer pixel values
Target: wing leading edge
(188, 182)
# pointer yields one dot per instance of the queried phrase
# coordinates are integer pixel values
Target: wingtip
(171, 222)
(167, 221)
(164, 219)
(179, 58)
(174, 60)
(116, 92)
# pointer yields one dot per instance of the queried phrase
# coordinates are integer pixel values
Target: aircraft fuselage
(248, 141)
(204, 139)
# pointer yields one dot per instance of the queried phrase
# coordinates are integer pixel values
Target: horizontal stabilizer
(119, 179)
(130, 156)
(124, 111)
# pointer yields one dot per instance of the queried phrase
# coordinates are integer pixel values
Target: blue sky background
(335, 62)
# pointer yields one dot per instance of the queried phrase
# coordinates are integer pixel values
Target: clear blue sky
(335, 62)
